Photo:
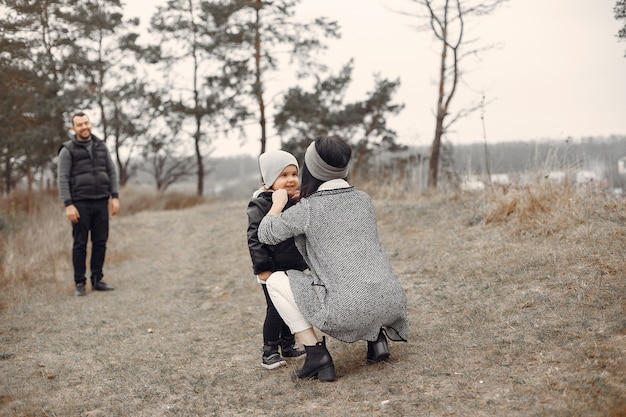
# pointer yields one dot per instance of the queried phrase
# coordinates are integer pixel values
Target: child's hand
(280, 198)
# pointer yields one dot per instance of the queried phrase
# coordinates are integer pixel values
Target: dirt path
(495, 328)
(183, 295)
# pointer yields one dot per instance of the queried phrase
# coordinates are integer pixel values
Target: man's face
(82, 127)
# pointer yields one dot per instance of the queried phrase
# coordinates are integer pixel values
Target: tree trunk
(258, 85)
(199, 162)
(7, 176)
(433, 167)
(197, 109)
(29, 177)
(433, 163)
(122, 173)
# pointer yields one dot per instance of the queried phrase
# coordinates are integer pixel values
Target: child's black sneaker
(271, 358)
(291, 351)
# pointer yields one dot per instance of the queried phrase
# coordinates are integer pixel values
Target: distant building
(585, 177)
(500, 179)
(472, 183)
(621, 165)
(557, 176)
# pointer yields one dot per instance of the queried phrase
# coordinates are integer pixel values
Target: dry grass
(517, 304)
(135, 201)
(34, 236)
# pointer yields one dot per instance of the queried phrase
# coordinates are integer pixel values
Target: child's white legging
(280, 292)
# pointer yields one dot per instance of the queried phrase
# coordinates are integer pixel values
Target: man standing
(87, 179)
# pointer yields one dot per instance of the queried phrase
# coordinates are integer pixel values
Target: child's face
(287, 180)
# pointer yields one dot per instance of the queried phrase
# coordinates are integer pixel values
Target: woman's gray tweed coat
(351, 292)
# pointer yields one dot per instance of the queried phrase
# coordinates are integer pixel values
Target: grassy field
(517, 306)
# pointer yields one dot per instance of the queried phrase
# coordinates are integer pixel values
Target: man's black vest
(89, 178)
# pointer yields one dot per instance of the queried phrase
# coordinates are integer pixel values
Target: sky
(556, 69)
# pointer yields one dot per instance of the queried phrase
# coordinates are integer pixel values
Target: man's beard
(83, 137)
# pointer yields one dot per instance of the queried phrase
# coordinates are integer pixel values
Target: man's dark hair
(78, 114)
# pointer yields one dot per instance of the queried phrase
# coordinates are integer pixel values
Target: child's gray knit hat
(272, 163)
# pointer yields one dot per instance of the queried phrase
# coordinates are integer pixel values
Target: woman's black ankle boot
(377, 351)
(318, 363)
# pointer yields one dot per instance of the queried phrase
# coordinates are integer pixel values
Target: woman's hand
(295, 195)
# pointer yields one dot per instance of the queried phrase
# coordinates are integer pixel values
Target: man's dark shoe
(102, 286)
(80, 290)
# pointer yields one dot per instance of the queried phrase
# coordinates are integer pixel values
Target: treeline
(164, 97)
(597, 154)
(406, 168)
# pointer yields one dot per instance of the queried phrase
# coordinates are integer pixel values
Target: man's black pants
(94, 218)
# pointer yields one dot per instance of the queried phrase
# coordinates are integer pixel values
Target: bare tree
(166, 169)
(446, 19)
(166, 162)
(135, 111)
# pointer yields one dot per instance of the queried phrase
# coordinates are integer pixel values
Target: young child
(279, 170)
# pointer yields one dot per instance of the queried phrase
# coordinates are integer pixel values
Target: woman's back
(341, 245)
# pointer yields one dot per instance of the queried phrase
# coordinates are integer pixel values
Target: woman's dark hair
(334, 151)
(309, 183)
